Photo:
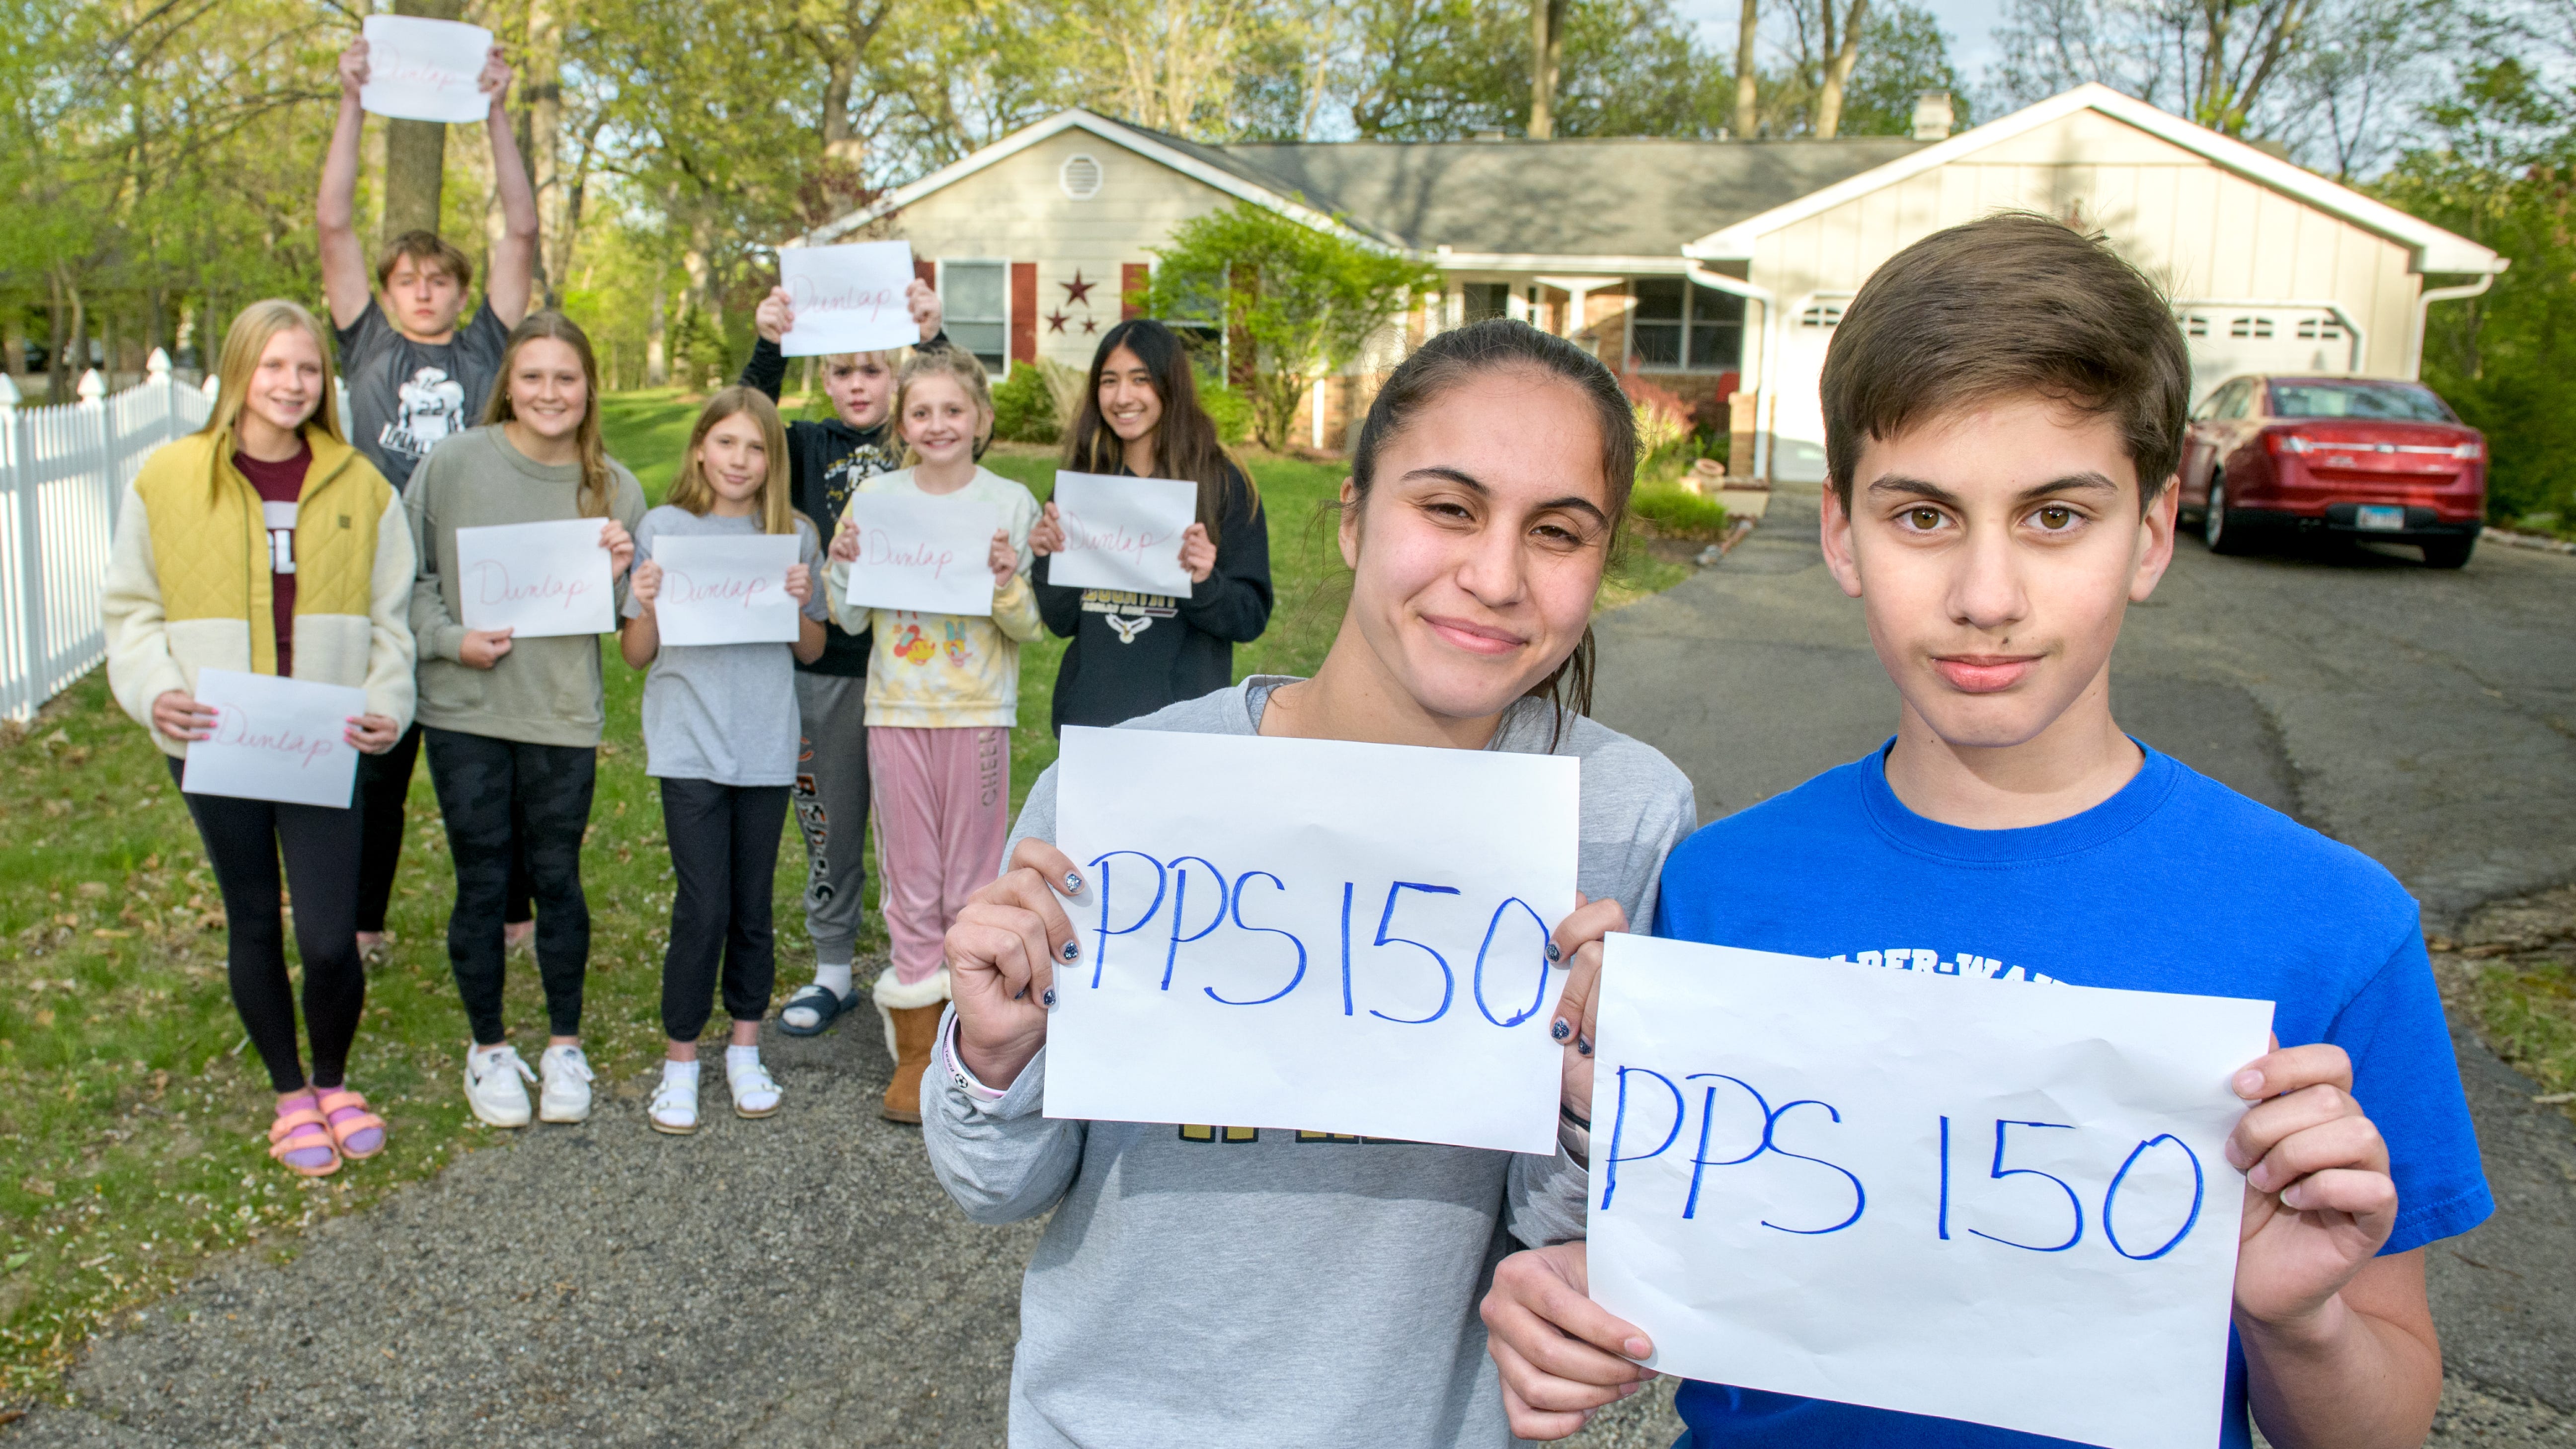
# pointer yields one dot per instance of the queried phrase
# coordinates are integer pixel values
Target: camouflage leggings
(493, 793)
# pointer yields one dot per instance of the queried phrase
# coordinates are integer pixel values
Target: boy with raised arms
(2004, 406)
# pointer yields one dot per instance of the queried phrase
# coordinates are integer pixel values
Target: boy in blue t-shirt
(2004, 406)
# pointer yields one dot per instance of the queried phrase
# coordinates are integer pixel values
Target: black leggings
(384, 787)
(724, 850)
(499, 797)
(243, 838)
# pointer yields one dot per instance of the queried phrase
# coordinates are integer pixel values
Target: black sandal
(826, 1004)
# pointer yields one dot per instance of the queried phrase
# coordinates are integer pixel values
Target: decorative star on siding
(1089, 326)
(1077, 290)
(1056, 320)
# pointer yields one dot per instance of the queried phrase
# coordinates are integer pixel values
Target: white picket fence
(62, 472)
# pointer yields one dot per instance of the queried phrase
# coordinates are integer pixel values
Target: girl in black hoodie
(1134, 653)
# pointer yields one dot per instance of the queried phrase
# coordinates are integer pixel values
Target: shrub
(1229, 409)
(1024, 408)
(1668, 510)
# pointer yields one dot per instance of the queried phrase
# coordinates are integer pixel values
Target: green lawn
(131, 1107)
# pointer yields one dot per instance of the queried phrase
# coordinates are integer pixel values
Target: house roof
(1188, 158)
(1568, 205)
(1564, 202)
(2435, 250)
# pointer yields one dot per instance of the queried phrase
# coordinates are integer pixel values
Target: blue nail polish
(1048, 1000)
(1560, 1030)
(1554, 955)
(1071, 950)
(1583, 1044)
(1073, 883)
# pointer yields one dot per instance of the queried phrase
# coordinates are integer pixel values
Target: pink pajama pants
(943, 806)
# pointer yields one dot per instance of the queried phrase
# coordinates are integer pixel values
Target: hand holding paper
(717, 590)
(274, 739)
(1921, 1193)
(424, 70)
(911, 551)
(1313, 934)
(1123, 533)
(851, 298)
(540, 579)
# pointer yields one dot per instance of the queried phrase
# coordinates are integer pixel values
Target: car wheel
(2220, 528)
(2448, 553)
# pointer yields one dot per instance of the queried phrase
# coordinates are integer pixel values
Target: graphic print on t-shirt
(842, 476)
(428, 409)
(1128, 614)
(1966, 964)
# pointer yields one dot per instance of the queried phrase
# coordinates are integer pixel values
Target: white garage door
(2231, 339)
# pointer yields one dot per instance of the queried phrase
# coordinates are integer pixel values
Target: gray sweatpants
(831, 799)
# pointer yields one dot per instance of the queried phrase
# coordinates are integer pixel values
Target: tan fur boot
(911, 1017)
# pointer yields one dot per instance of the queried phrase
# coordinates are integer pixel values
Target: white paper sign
(1313, 934)
(274, 739)
(1123, 533)
(536, 579)
(923, 553)
(425, 70)
(1996, 1201)
(726, 590)
(848, 298)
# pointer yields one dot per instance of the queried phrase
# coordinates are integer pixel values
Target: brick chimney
(1932, 116)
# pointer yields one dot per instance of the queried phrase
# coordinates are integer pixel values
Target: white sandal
(674, 1109)
(755, 1091)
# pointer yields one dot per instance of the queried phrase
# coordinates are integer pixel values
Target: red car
(2352, 456)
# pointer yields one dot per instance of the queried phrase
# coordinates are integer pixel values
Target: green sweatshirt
(544, 691)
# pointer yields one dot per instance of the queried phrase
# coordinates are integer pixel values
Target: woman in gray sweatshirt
(512, 725)
(1258, 1286)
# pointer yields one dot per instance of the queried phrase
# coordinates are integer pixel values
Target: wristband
(966, 1081)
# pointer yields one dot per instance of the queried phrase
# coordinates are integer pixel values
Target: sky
(1970, 23)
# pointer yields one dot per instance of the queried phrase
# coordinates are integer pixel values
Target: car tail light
(2470, 451)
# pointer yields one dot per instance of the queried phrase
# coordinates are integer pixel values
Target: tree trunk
(13, 346)
(416, 151)
(1829, 99)
(543, 82)
(1547, 54)
(1745, 117)
(657, 357)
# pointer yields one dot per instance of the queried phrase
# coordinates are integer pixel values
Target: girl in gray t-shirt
(720, 733)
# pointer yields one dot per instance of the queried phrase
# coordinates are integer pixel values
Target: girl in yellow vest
(264, 543)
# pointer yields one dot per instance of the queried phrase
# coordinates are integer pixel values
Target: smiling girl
(943, 693)
(1250, 1287)
(263, 543)
(512, 726)
(720, 734)
(1132, 653)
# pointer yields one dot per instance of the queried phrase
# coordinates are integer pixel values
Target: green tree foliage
(1302, 302)
(2499, 167)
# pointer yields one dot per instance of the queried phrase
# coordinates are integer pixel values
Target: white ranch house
(1713, 269)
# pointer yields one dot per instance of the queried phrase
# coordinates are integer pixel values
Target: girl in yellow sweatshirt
(263, 543)
(943, 694)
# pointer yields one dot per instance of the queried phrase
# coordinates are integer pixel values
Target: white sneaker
(566, 1095)
(675, 1106)
(755, 1092)
(493, 1085)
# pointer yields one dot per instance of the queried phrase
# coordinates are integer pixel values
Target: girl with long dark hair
(1134, 653)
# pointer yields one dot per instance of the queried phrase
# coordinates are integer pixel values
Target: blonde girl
(943, 694)
(263, 543)
(512, 725)
(720, 733)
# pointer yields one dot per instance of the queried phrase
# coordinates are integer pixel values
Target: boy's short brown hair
(2011, 304)
(427, 247)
